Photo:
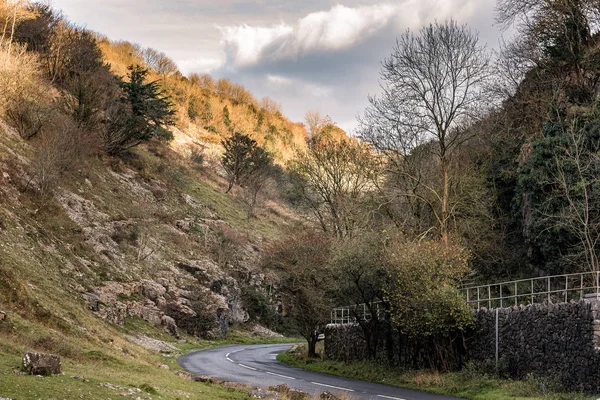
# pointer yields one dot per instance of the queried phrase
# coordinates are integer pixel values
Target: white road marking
(281, 376)
(229, 359)
(245, 366)
(388, 397)
(227, 355)
(332, 387)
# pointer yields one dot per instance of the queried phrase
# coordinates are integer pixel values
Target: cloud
(200, 65)
(337, 29)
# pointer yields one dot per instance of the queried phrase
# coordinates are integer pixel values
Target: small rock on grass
(184, 375)
(41, 364)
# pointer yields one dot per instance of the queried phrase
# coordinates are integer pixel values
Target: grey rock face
(41, 364)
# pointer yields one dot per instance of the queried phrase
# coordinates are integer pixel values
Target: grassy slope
(467, 384)
(45, 260)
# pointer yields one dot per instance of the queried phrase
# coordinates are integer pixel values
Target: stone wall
(558, 342)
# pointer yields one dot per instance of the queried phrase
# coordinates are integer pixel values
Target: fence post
(532, 292)
(497, 339)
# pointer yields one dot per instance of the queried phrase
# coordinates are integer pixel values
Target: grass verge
(468, 384)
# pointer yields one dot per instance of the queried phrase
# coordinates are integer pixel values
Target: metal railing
(352, 314)
(543, 290)
(547, 289)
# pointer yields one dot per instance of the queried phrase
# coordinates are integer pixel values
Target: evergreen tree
(243, 159)
(559, 192)
(144, 113)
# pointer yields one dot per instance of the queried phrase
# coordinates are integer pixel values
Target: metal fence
(352, 314)
(547, 289)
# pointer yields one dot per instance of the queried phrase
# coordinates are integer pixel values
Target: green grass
(103, 368)
(160, 383)
(468, 384)
(46, 260)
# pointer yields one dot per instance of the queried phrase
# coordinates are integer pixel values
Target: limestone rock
(145, 310)
(152, 290)
(41, 364)
(2, 316)
(329, 396)
(261, 331)
(170, 326)
(184, 375)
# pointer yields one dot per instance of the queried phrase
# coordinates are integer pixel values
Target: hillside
(101, 254)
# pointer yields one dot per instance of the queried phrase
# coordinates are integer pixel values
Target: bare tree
(11, 14)
(270, 105)
(333, 177)
(431, 92)
(555, 35)
(159, 62)
(315, 122)
(575, 177)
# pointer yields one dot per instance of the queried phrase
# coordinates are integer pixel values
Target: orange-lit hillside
(209, 110)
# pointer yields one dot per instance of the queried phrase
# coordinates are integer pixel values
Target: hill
(104, 250)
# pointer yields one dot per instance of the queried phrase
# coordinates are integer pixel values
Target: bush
(25, 96)
(60, 147)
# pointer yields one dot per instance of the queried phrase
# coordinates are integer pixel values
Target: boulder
(329, 396)
(170, 326)
(2, 316)
(152, 290)
(41, 364)
(92, 301)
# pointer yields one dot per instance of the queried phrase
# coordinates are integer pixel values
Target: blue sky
(305, 54)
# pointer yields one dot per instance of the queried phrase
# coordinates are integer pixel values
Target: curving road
(256, 365)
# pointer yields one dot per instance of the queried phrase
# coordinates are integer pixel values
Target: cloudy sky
(305, 54)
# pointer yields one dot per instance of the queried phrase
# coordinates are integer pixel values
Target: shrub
(60, 147)
(24, 95)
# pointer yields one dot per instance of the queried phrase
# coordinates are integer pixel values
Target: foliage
(423, 293)
(359, 269)
(558, 36)
(243, 160)
(334, 177)
(559, 186)
(25, 97)
(143, 114)
(301, 263)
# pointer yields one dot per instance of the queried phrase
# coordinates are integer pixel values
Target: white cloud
(247, 43)
(200, 65)
(299, 86)
(336, 29)
(339, 28)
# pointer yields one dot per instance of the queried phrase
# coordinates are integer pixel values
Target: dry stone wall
(560, 342)
(557, 341)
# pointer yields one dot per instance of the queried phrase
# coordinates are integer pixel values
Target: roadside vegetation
(115, 168)
(472, 382)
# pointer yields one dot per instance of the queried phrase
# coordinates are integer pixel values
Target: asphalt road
(256, 365)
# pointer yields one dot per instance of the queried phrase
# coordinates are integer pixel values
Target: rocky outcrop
(41, 364)
(195, 297)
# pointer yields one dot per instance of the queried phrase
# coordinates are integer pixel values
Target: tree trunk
(230, 186)
(312, 344)
(445, 239)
